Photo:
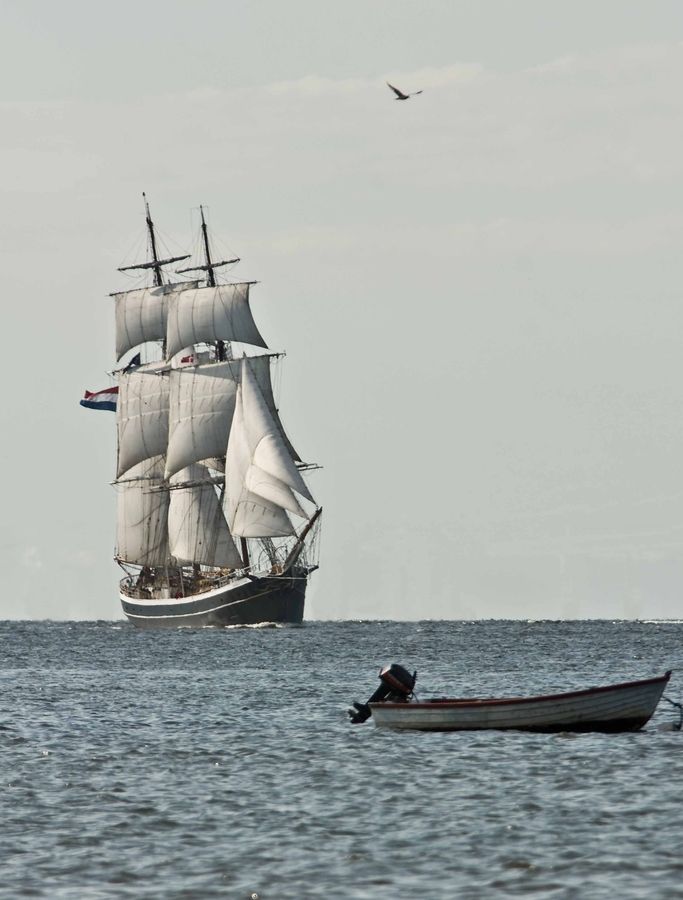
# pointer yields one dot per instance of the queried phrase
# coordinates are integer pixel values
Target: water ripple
(220, 763)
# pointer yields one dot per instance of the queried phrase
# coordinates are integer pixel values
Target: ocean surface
(221, 763)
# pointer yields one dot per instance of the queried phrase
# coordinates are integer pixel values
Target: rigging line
(679, 706)
(193, 238)
(166, 242)
(137, 248)
(196, 252)
(218, 248)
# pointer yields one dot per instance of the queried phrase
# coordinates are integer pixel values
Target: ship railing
(175, 589)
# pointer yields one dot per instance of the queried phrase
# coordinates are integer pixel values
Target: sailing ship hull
(249, 601)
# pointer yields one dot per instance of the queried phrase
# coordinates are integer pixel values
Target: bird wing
(398, 93)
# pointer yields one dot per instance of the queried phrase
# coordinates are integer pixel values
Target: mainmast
(158, 276)
(155, 263)
(220, 345)
(209, 267)
(210, 276)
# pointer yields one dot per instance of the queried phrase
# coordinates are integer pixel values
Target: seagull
(400, 95)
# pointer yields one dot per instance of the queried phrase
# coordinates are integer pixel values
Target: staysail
(261, 476)
(201, 409)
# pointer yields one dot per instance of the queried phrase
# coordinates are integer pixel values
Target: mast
(245, 552)
(143, 512)
(155, 262)
(209, 267)
(158, 275)
(210, 276)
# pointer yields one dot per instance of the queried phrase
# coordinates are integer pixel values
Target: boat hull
(248, 601)
(621, 707)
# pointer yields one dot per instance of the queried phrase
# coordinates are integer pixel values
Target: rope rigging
(679, 707)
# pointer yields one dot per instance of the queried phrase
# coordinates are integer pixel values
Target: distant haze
(480, 290)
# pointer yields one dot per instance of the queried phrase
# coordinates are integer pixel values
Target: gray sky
(480, 291)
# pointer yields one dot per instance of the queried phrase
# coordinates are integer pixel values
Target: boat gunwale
(511, 701)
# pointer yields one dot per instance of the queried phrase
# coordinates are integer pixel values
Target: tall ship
(216, 524)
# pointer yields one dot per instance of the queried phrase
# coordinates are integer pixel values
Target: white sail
(141, 417)
(201, 409)
(142, 315)
(142, 528)
(198, 532)
(269, 452)
(209, 314)
(260, 474)
(256, 517)
(263, 484)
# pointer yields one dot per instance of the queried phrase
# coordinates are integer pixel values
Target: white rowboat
(618, 707)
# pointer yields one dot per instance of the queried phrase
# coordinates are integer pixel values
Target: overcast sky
(480, 291)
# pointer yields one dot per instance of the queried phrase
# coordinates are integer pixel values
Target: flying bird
(400, 95)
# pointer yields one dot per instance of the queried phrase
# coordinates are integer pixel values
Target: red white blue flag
(105, 399)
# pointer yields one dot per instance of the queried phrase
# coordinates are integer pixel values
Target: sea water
(221, 763)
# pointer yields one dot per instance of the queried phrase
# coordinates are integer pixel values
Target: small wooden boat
(618, 707)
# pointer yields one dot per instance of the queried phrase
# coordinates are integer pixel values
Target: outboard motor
(396, 687)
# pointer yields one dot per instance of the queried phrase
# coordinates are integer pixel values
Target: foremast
(155, 264)
(143, 507)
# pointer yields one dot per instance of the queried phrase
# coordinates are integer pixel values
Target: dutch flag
(105, 399)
